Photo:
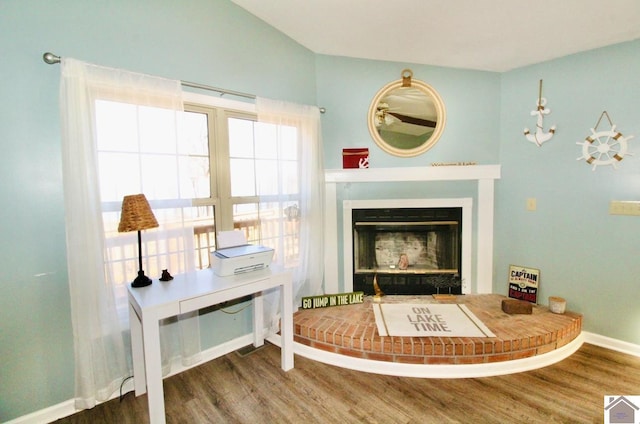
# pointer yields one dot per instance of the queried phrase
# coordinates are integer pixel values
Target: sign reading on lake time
(340, 299)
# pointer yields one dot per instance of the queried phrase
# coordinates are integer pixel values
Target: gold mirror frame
(395, 107)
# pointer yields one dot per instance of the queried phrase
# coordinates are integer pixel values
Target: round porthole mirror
(406, 117)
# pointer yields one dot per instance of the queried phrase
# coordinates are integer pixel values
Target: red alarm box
(355, 158)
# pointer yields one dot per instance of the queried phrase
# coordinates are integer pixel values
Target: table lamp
(137, 216)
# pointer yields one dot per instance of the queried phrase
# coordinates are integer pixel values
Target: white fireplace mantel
(483, 174)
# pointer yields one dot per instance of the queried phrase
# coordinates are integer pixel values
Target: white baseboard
(66, 408)
(612, 344)
(47, 415)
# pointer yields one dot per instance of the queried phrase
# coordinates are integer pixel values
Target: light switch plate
(532, 204)
(624, 207)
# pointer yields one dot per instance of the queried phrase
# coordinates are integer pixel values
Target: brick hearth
(351, 330)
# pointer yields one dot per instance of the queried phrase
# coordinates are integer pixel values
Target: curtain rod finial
(50, 58)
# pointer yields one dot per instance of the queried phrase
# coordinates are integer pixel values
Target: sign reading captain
(523, 283)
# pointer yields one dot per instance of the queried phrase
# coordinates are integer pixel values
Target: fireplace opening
(408, 250)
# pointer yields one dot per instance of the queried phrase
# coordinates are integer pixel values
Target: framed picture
(523, 283)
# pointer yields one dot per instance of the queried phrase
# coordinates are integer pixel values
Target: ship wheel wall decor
(604, 147)
(540, 136)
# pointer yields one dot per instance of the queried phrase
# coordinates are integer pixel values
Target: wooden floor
(253, 389)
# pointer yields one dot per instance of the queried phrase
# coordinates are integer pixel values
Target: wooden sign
(523, 283)
(340, 299)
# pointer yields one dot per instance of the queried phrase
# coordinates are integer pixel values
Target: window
(262, 167)
(215, 178)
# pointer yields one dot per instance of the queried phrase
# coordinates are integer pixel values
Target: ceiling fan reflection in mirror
(406, 117)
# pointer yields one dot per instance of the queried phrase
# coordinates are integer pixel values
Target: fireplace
(408, 250)
(477, 216)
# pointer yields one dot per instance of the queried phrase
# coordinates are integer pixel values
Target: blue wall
(584, 254)
(346, 87)
(207, 41)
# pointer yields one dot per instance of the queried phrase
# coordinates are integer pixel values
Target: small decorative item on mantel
(355, 158)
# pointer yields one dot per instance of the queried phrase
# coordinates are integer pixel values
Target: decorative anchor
(540, 136)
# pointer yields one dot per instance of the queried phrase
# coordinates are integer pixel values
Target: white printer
(236, 256)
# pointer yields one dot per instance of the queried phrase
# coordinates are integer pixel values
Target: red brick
(410, 359)
(351, 331)
(440, 360)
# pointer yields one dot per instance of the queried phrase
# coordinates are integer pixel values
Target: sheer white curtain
(299, 196)
(100, 335)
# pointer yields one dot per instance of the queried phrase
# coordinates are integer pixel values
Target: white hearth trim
(465, 203)
(448, 371)
(483, 174)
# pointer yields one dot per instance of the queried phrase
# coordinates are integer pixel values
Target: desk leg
(286, 325)
(139, 376)
(153, 368)
(258, 319)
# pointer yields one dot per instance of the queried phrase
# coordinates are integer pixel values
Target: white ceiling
(491, 35)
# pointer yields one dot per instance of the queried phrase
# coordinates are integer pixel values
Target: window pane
(280, 228)
(197, 184)
(116, 126)
(119, 175)
(267, 170)
(246, 219)
(240, 138)
(196, 134)
(242, 177)
(290, 177)
(288, 143)
(160, 176)
(158, 130)
(204, 232)
(266, 141)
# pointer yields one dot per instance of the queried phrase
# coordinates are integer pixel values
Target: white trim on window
(207, 100)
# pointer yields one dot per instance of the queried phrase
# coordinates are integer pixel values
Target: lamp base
(141, 280)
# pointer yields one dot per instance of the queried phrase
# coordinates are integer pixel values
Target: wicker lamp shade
(136, 214)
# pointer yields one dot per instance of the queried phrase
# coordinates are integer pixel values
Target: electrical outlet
(624, 207)
(531, 204)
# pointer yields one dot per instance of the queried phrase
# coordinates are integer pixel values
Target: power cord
(122, 385)
(235, 312)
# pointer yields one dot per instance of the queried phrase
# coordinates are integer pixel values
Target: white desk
(190, 292)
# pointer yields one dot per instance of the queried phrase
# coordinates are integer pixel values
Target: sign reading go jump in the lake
(340, 299)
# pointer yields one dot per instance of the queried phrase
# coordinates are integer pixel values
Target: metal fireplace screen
(409, 250)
